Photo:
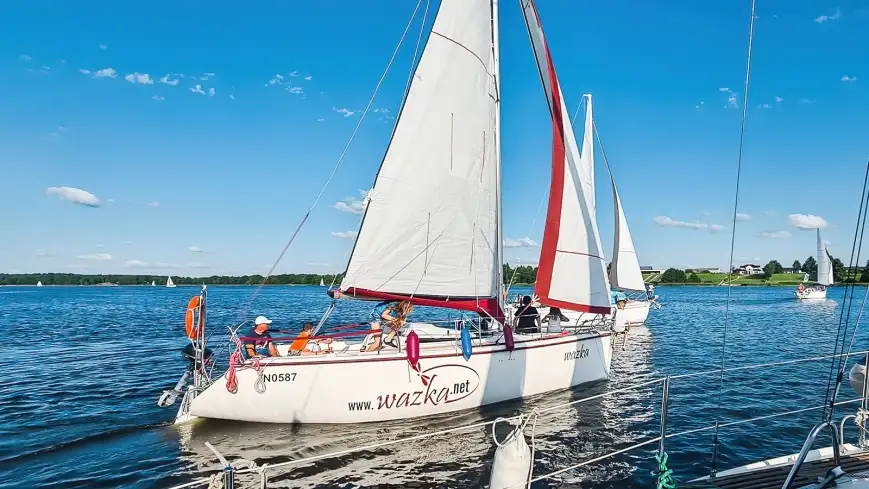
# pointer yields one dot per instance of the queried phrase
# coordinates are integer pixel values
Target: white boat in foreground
(825, 275)
(431, 234)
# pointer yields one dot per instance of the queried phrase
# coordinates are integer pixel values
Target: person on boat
(260, 344)
(529, 318)
(304, 346)
(620, 322)
(554, 320)
(394, 316)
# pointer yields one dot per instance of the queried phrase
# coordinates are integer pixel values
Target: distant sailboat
(154, 283)
(322, 284)
(825, 275)
(169, 282)
(39, 284)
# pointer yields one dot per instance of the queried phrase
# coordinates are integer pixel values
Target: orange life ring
(191, 329)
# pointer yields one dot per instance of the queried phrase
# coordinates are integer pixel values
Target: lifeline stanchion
(228, 477)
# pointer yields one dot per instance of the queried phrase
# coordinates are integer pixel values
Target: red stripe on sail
(556, 189)
(488, 305)
(572, 306)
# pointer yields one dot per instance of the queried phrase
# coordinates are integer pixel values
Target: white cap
(262, 320)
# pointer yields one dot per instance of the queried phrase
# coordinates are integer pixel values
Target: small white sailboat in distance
(169, 282)
(39, 284)
(322, 284)
(154, 283)
(825, 275)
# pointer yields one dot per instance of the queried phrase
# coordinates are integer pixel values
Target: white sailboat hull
(357, 388)
(812, 293)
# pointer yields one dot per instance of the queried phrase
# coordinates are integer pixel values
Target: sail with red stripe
(572, 272)
(431, 230)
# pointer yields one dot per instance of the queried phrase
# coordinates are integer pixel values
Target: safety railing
(227, 477)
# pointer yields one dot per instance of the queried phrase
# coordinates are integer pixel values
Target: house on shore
(749, 269)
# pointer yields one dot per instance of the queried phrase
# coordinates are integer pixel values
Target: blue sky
(197, 181)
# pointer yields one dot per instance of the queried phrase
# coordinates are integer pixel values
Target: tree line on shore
(518, 275)
(841, 273)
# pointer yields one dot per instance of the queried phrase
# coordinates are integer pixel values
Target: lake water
(83, 368)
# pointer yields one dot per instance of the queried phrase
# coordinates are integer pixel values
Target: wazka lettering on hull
(446, 384)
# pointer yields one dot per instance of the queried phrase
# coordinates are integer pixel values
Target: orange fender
(190, 328)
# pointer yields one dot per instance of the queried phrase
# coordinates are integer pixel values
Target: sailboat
(825, 275)
(169, 282)
(625, 274)
(431, 234)
(154, 283)
(322, 284)
(39, 284)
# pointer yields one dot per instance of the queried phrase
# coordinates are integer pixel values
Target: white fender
(512, 465)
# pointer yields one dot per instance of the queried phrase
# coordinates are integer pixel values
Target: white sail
(825, 266)
(625, 272)
(39, 284)
(431, 226)
(153, 283)
(169, 282)
(572, 272)
(587, 158)
(322, 284)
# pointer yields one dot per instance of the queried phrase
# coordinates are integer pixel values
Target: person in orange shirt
(297, 348)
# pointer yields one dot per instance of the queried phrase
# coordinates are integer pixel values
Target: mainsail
(587, 158)
(825, 266)
(431, 229)
(572, 271)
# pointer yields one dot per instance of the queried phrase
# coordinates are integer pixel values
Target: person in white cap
(261, 346)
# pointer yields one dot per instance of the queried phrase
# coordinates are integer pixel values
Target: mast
(496, 59)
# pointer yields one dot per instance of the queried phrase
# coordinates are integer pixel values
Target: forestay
(430, 230)
(572, 271)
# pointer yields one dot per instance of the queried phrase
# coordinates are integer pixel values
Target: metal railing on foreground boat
(226, 477)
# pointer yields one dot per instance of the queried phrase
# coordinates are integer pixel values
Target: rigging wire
(733, 232)
(847, 302)
(337, 163)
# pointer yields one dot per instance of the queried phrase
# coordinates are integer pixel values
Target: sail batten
(572, 271)
(431, 223)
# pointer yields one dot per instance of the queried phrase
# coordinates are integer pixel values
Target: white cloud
(142, 264)
(741, 216)
(197, 89)
(765, 106)
(807, 221)
(106, 73)
(297, 90)
(76, 195)
(308, 78)
(43, 253)
(194, 249)
(381, 111)
(344, 234)
(158, 97)
(707, 213)
(294, 74)
(346, 112)
(320, 119)
(96, 257)
(169, 81)
(807, 101)
(779, 100)
(110, 201)
(525, 242)
(319, 265)
(25, 57)
(211, 92)
(701, 104)
(775, 234)
(824, 18)
(724, 89)
(153, 204)
(135, 264)
(232, 97)
(352, 204)
(731, 102)
(849, 79)
(103, 46)
(84, 71)
(100, 246)
(667, 222)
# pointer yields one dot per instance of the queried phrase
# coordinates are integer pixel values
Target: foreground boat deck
(773, 476)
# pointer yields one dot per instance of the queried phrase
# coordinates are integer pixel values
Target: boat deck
(773, 477)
